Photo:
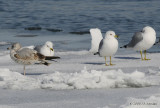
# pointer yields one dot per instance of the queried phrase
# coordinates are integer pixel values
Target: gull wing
(137, 37)
(96, 37)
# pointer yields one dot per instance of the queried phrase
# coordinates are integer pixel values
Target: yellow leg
(111, 62)
(106, 62)
(141, 55)
(24, 69)
(145, 55)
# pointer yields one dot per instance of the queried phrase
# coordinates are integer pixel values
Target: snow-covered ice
(80, 79)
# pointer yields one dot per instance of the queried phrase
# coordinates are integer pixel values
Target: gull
(108, 46)
(26, 56)
(46, 49)
(142, 41)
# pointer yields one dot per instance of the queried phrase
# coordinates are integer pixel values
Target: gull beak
(116, 36)
(51, 49)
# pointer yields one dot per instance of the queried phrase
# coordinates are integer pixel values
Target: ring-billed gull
(108, 46)
(142, 41)
(46, 49)
(26, 56)
(96, 37)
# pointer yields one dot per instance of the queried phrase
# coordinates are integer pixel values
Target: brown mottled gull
(26, 56)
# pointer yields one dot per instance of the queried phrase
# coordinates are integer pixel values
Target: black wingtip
(156, 43)
(125, 46)
(52, 57)
(96, 53)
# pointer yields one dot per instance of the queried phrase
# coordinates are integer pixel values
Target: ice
(151, 102)
(4, 43)
(77, 80)
(82, 52)
(14, 80)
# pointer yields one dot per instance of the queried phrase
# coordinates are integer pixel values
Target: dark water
(123, 16)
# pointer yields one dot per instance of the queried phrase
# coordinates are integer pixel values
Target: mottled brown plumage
(26, 56)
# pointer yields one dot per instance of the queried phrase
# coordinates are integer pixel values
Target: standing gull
(25, 56)
(142, 41)
(108, 46)
(46, 49)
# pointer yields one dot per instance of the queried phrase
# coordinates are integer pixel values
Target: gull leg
(141, 55)
(106, 62)
(111, 62)
(24, 70)
(145, 55)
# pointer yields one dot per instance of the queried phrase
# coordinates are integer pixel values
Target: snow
(96, 36)
(151, 102)
(81, 80)
(78, 80)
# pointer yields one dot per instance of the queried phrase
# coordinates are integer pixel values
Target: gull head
(15, 46)
(111, 34)
(49, 45)
(149, 30)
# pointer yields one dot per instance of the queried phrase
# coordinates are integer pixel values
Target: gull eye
(110, 34)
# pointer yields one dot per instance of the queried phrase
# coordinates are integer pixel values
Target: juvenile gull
(108, 46)
(46, 49)
(26, 56)
(96, 37)
(142, 41)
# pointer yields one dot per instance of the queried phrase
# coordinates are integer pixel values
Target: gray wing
(26, 53)
(100, 45)
(38, 48)
(137, 37)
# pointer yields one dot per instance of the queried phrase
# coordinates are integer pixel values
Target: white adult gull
(142, 41)
(108, 46)
(46, 49)
(26, 56)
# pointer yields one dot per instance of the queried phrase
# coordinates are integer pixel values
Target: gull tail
(125, 46)
(156, 43)
(42, 59)
(40, 56)
(96, 53)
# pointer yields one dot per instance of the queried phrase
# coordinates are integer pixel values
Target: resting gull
(46, 49)
(142, 41)
(26, 56)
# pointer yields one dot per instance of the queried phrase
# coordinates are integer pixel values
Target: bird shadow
(33, 73)
(127, 58)
(93, 63)
(153, 51)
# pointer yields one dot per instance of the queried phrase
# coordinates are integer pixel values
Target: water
(123, 16)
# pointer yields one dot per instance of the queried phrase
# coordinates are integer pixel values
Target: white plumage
(143, 40)
(109, 45)
(46, 49)
(96, 37)
(149, 38)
